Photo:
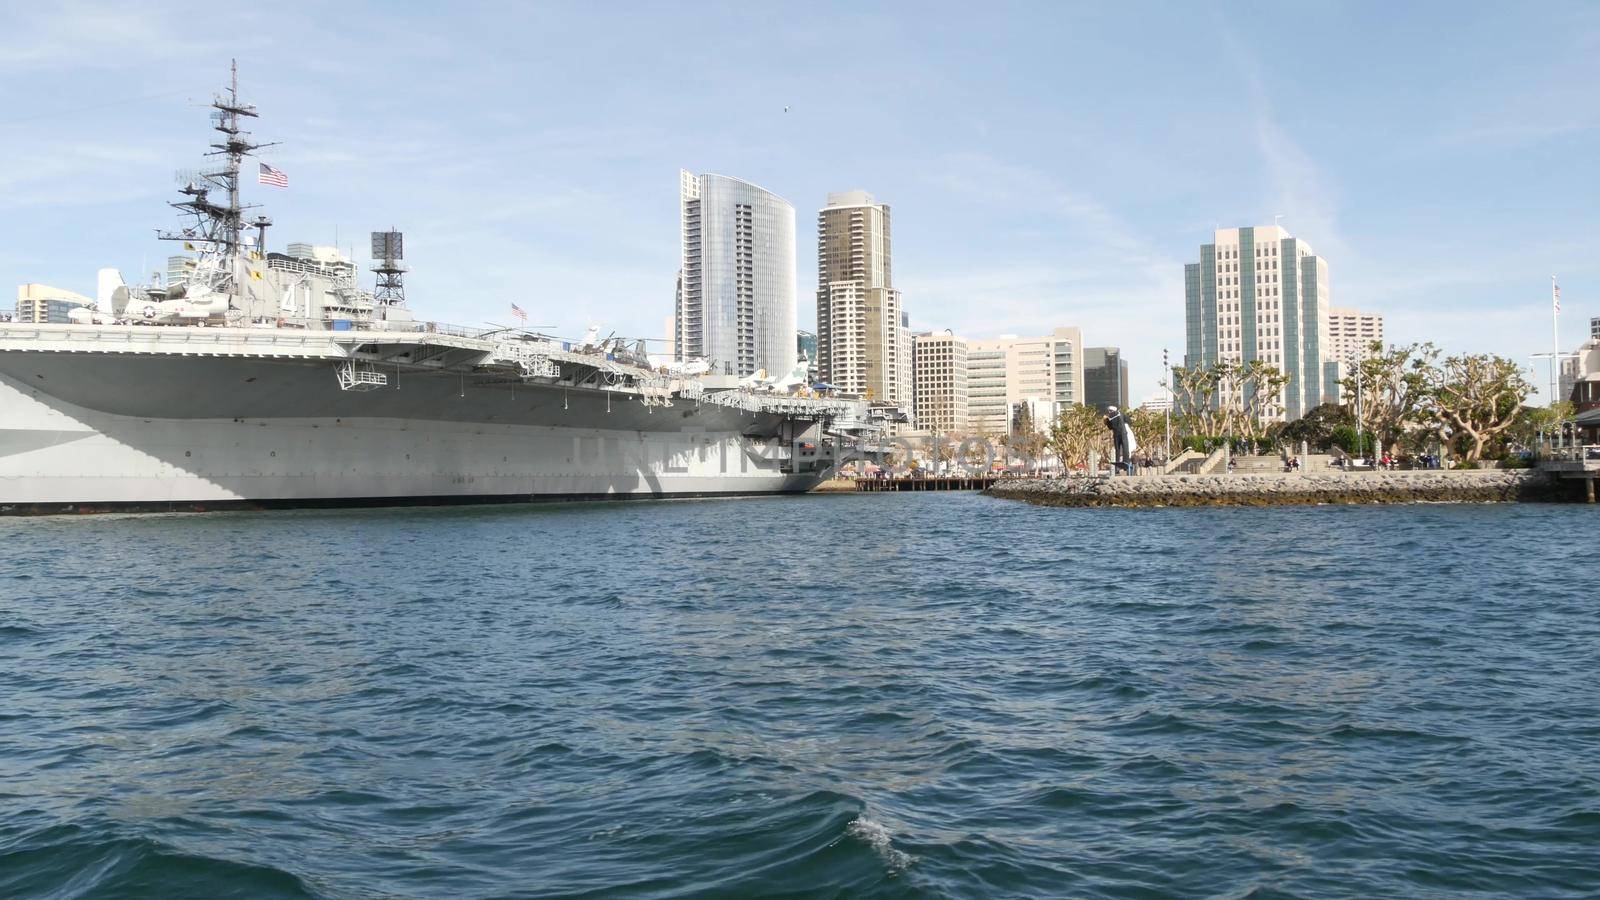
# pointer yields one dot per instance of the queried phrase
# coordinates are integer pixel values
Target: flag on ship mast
(273, 176)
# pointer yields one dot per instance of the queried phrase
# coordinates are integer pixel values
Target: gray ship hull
(97, 430)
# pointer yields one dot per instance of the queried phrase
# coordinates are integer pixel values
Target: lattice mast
(388, 249)
(218, 231)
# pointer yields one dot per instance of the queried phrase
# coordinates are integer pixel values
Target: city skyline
(535, 177)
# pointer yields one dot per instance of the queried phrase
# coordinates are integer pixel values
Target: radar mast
(218, 229)
(388, 249)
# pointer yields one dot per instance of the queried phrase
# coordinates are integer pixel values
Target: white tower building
(736, 285)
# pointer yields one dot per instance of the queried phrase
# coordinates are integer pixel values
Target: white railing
(655, 392)
(353, 377)
(782, 405)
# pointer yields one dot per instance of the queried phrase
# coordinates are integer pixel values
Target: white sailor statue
(1122, 440)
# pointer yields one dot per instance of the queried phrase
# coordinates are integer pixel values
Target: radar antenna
(218, 230)
(388, 248)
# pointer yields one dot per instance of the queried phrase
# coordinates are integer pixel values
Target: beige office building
(863, 342)
(1003, 372)
(42, 304)
(939, 383)
(1350, 334)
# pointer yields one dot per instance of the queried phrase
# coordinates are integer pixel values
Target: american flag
(1555, 290)
(518, 312)
(274, 177)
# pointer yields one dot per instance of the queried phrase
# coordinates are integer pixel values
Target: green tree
(1478, 397)
(1025, 440)
(1229, 398)
(1076, 432)
(1149, 430)
(1023, 421)
(1343, 437)
(1195, 401)
(1316, 427)
(1259, 390)
(1393, 386)
(1532, 420)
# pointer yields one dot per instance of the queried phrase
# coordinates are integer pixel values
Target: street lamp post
(1361, 433)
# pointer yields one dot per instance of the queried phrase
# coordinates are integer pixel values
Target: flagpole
(1555, 339)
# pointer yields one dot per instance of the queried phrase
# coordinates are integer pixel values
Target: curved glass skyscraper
(736, 286)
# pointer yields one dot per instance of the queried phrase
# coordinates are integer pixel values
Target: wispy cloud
(78, 173)
(1296, 187)
(87, 34)
(1066, 258)
(991, 182)
(1301, 191)
(1529, 100)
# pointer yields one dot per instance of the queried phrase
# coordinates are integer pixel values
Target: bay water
(855, 695)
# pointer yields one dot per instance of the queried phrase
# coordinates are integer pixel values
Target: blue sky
(1047, 164)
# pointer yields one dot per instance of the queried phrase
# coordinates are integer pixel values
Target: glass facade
(1314, 312)
(1247, 294)
(986, 391)
(736, 290)
(1208, 304)
(1066, 370)
(1193, 348)
(1105, 378)
(1295, 403)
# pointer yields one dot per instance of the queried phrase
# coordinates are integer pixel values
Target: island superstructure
(272, 379)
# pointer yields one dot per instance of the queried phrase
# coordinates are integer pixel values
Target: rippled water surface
(877, 695)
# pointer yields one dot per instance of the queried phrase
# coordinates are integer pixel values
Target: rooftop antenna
(388, 248)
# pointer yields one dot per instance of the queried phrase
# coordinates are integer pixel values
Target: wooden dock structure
(944, 483)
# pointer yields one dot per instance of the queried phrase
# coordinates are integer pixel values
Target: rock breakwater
(1428, 486)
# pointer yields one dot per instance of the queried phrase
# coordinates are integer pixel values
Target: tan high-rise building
(1351, 333)
(939, 382)
(863, 344)
(1003, 372)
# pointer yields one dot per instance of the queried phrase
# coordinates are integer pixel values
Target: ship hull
(92, 432)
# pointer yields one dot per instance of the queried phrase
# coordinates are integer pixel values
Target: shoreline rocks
(1286, 489)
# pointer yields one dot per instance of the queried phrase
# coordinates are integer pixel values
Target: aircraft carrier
(257, 379)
